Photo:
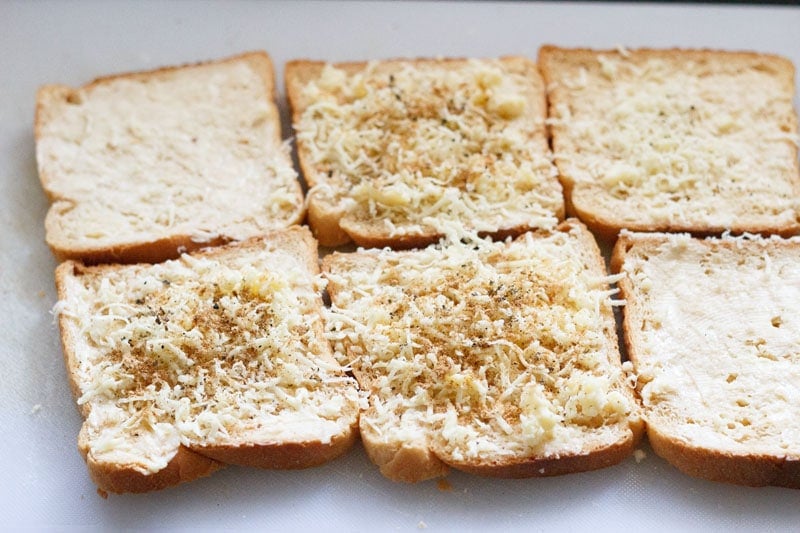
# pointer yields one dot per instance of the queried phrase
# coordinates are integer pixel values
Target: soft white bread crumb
(394, 149)
(675, 140)
(141, 165)
(218, 356)
(713, 329)
(498, 358)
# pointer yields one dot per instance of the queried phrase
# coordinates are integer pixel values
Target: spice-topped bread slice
(396, 152)
(496, 358)
(216, 357)
(698, 141)
(713, 330)
(142, 166)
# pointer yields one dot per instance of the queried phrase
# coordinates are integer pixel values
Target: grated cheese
(402, 142)
(204, 351)
(494, 349)
(689, 141)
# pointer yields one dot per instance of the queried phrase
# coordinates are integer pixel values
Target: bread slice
(693, 141)
(216, 357)
(398, 151)
(713, 330)
(496, 358)
(142, 166)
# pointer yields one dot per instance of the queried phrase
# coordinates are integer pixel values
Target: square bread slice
(496, 358)
(694, 141)
(713, 330)
(216, 357)
(398, 151)
(142, 166)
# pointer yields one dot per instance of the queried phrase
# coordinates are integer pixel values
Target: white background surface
(45, 484)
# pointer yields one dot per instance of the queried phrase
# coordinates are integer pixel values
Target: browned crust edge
(548, 50)
(714, 465)
(130, 253)
(185, 466)
(604, 457)
(407, 463)
(282, 456)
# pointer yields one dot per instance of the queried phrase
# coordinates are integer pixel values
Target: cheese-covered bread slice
(216, 357)
(496, 358)
(713, 330)
(398, 151)
(675, 140)
(142, 166)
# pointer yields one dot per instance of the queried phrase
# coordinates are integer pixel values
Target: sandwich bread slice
(695, 141)
(395, 151)
(495, 358)
(216, 357)
(142, 166)
(713, 330)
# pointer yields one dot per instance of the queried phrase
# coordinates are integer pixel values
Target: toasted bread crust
(185, 466)
(406, 463)
(583, 199)
(334, 225)
(715, 465)
(601, 457)
(706, 462)
(157, 248)
(143, 252)
(283, 456)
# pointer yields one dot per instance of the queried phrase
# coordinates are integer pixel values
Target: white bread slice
(713, 330)
(396, 150)
(215, 357)
(144, 165)
(694, 141)
(496, 358)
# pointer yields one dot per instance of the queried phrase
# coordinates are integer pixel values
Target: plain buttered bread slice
(216, 357)
(713, 330)
(394, 150)
(142, 166)
(675, 140)
(496, 358)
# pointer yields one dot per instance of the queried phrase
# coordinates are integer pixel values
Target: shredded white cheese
(493, 349)
(689, 142)
(204, 351)
(416, 144)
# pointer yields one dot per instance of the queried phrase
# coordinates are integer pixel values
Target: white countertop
(46, 484)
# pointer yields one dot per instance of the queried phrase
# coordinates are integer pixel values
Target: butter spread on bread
(713, 331)
(142, 166)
